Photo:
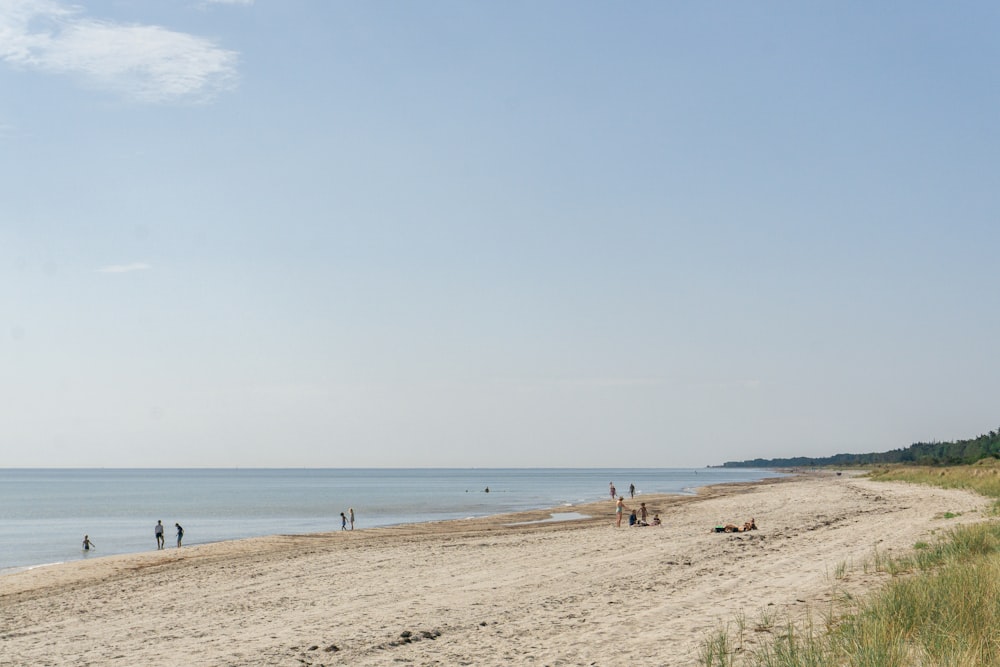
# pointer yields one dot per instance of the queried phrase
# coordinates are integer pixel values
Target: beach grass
(941, 606)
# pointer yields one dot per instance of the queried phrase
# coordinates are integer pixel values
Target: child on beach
(87, 543)
(343, 521)
(180, 534)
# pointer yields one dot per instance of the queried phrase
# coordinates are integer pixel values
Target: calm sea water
(44, 513)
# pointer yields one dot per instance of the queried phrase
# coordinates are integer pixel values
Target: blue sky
(288, 233)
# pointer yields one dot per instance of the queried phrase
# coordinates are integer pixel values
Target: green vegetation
(957, 452)
(941, 607)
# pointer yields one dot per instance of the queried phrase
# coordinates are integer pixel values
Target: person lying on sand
(732, 528)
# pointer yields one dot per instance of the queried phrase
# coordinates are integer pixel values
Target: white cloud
(146, 63)
(124, 268)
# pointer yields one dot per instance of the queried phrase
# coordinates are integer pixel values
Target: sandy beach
(492, 591)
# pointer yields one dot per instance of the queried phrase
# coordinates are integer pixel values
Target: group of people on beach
(614, 491)
(158, 532)
(638, 517)
(88, 544)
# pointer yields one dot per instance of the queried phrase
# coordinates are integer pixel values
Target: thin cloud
(124, 268)
(146, 63)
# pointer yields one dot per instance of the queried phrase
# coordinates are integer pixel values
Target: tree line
(921, 453)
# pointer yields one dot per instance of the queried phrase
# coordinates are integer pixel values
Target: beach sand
(481, 592)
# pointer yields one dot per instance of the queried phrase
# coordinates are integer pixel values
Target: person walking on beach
(350, 513)
(631, 490)
(180, 534)
(613, 491)
(87, 544)
(619, 508)
(343, 521)
(158, 531)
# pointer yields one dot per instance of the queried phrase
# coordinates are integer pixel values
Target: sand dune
(481, 592)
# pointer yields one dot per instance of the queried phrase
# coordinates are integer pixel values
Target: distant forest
(921, 453)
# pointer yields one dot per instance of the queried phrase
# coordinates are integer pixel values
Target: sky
(289, 233)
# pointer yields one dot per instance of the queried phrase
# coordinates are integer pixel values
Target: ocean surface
(44, 513)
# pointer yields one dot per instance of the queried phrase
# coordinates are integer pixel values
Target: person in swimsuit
(180, 534)
(350, 514)
(343, 521)
(619, 508)
(613, 491)
(87, 543)
(158, 531)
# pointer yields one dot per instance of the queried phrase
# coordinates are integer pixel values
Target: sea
(45, 513)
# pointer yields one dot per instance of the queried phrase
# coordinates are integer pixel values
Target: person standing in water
(180, 534)
(158, 531)
(631, 490)
(613, 491)
(87, 544)
(350, 514)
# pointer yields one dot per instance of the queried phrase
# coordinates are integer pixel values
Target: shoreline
(588, 511)
(495, 591)
(592, 513)
(687, 491)
(118, 507)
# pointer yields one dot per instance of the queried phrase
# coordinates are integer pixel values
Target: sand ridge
(478, 592)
